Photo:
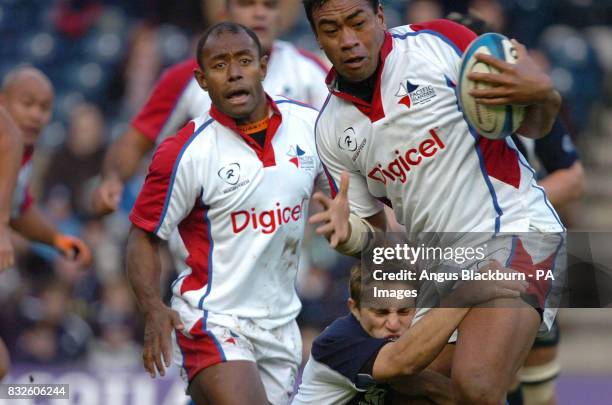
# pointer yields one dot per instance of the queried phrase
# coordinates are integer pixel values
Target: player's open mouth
(238, 96)
(354, 62)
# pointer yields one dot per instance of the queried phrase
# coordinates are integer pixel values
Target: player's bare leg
(229, 383)
(4, 360)
(539, 373)
(492, 345)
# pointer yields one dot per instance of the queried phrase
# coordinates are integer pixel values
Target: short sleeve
(362, 203)
(170, 190)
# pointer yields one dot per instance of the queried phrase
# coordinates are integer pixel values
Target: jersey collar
(265, 154)
(374, 111)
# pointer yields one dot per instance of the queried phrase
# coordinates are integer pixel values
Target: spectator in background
(418, 11)
(79, 160)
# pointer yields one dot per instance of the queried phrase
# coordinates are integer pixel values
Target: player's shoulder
(453, 34)
(341, 331)
(177, 146)
(296, 109)
(299, 56)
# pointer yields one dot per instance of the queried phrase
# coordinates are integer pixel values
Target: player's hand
(335, 215)
(107, 195)
(474, 292)
(73, 248)
(157, 352)
(522, 83)
(7, 253)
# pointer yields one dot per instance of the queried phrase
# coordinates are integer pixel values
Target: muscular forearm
(11, 151)
(564, 185)
(34, 226)
(143, 269)
(125, 154)
(419, 345)
(539, 118)
(428, 384)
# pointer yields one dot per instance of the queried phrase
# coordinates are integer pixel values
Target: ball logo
(348, 140)
(230, 174)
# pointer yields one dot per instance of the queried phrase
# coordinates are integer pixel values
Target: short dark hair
(220, 28)
(310, 6)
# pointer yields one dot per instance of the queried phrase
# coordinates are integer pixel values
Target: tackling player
(177, 97)
(393, 95)
(374, 356)
(236, 183)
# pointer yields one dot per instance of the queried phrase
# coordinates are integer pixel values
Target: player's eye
(359, 24)
(219, 66)
(245, 61)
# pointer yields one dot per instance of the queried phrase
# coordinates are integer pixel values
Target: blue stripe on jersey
(296, 103)
(176, 332)
(211, 245)
(525, 164)
(174, 170)
(485, 175)
(512, 251)
(216, 342)
(431, 32)
(330, 178)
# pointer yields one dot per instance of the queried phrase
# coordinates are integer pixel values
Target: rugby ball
(493, 122)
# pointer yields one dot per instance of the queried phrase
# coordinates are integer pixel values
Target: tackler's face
(351, 33)
(232, 74)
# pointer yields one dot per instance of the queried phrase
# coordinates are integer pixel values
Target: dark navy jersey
(553, 152)
(339, 370)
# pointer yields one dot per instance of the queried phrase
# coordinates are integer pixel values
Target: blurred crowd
(103, 57)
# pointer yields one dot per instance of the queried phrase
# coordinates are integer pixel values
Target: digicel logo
(398, 168)
(268, 221)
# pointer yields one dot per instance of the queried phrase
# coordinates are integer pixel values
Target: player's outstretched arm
(522, 83)
(346, 232)
(11, 150)
(143, 270)
(422, 343)
(34, 226)
(120, 163)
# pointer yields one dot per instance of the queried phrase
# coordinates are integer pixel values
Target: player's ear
(263, 65)
(200, 78)
(354, 308)
(380, 16)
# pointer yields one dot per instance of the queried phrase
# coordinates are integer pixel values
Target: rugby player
(393, 94)
(177, 97)
(11, 149)
(373, 355)
(25, 109)
(236, 183)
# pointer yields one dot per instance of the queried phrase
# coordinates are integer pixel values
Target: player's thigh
(4, 360)
(493, 343)
(229, 383)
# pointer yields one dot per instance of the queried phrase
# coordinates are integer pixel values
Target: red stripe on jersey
(501, 162)
(523, 262)
(27, 201)
(199, 351)
(195, 235)
(149, 206)
(461, 36)
(163, 99)
(28, 151)
(314, 58)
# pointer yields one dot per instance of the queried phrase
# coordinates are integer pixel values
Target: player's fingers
(344, 185)
(322, 199)
(166, 349)
(494, 92)
(493, 61)
(333, 240)
(506, 293)
(494, 101)
(157, 355)
(521, 50)
(147, 360)
(325, 229)
(84, 254)
(176, 320)
(515, 285)
(319, 217)
(493, 78)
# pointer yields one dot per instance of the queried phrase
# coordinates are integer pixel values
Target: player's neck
(260, 113)
(363, 90)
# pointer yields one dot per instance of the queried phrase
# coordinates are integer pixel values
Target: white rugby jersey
(412, 148)
(177, 97)
(240, 210)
